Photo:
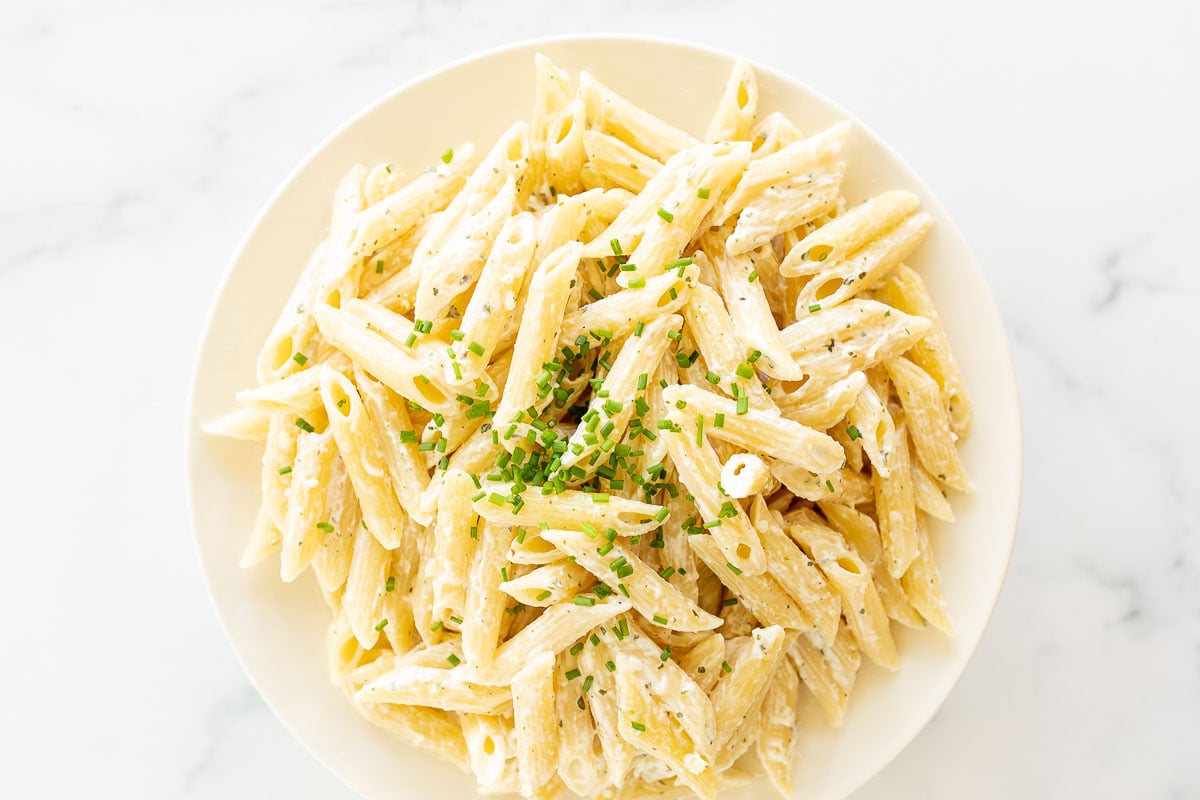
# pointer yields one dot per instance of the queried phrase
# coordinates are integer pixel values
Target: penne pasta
(928, 422)
(851, 577)
(247, 424)
(776, 742)
(535, 723)
(552, 632)
(362, 453)
(612, 113)
(905, 290)
(306, 524)
(923, 585)
(734, 116)
(619, 163)
(770, 434)
(621, 569)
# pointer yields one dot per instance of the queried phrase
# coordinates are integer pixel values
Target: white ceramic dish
(278, 630)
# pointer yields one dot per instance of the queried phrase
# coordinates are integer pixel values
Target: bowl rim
(191, 425)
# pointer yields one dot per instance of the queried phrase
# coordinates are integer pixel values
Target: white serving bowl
(278, 629)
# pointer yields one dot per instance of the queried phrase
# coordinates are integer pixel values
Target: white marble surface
(139, 138)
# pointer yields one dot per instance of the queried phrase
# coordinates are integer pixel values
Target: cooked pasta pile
(603, 445)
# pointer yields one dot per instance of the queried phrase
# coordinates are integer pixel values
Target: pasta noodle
(604, 444)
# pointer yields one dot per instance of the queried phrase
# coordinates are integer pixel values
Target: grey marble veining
(140, 139)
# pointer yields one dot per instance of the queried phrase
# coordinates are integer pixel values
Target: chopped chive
(325, 526)
(381, 624)
(641, 326)
(379, 267)
(436, 626)
(599, 497)
(300, 358)
(448, 155)
(572, 674)
(753, 276)
(729, 601)
(712, 377)
(584, 600)
(476, 348)
(390, 586)
(666, 215)
(702, 193)
(725, 666)
(457, 335)
(637, 726)
(577, 648)
(829, 485)
(743, 405)
(733, 569)
(284, 470)
(587, 683)
(755, 355)
(410, 340)
(615, 244)
(745, 371)
(637, 283)
(303, 425)
(815, 307)
(545, 595)
(610, 666)
(662, 514)
(852, 432)
(660, 621)
(456, 620)
(454, 660)
(718, 420)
